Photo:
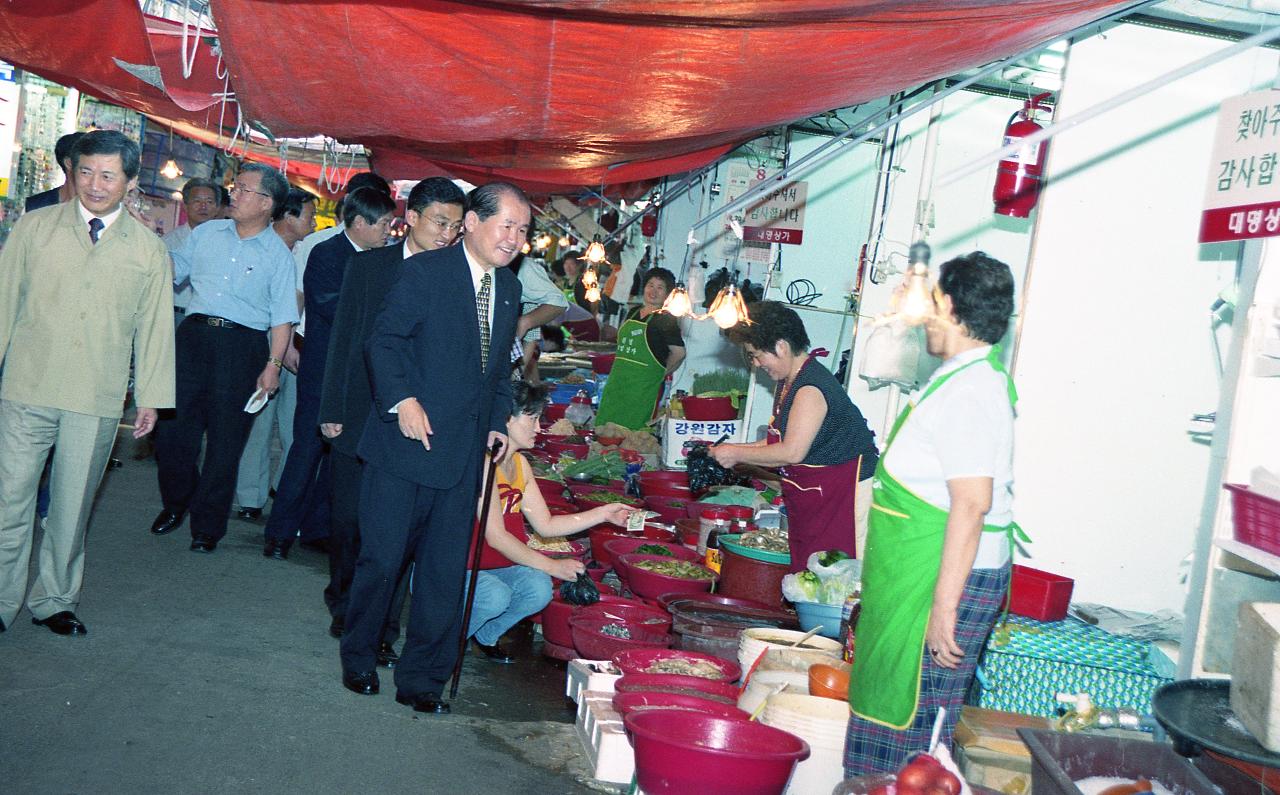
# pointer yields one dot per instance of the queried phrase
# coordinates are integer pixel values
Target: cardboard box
(1255, 672)
(678, 433)
(989, 751)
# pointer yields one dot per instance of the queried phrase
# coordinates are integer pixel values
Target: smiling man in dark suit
(433, 213)
(440, 368)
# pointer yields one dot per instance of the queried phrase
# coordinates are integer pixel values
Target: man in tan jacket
(83, 285)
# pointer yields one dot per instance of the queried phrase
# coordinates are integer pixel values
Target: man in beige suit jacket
(83, 286)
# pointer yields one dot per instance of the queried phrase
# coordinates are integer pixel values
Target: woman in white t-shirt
(936, 567)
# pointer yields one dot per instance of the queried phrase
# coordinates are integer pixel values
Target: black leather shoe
(387, 656)
(249, 514)
(166, 522)
(64, 623)
(337, 626)
(203, 544)
(365, 684)
(427, 702)
(496, 653)
(320, 545)
(277, 550)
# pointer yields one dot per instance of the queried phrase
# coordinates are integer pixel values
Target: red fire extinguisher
(1018, 178)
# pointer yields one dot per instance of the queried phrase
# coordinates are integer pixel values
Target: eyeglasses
(446, 224)
(238, 188)
(752, 357)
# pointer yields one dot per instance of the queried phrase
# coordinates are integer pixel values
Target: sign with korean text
(1242, 199)
(779, 216)
(740, 179)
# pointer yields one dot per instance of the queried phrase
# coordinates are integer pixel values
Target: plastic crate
(1039, 594)
(1060, 760)
(1256, 518)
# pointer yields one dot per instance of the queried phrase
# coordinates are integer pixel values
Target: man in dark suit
(439, 360)
(67, 190)
(433, 214)
(304, 483)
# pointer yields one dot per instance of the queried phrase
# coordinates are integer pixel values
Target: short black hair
(527, 398)
(667, 278)
(432, 190)
(484, 200)
(294, 201)
(201, 182)
(62, 149)
(368, 203)
(771, 321)
(273, 184)
(108, 142)
(368, 179)
(557, 267)
(981, 292)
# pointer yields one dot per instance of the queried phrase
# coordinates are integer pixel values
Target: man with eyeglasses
(229, 350)
(434, 218)
(302, 500)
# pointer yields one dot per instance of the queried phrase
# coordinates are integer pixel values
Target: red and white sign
(1242, 199)
(779, 217)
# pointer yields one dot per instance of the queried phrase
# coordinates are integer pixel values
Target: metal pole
(825, 152)
(681, 188)
(1268, 35)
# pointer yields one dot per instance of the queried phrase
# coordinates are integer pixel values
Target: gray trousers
(254, 481)
(82, 444)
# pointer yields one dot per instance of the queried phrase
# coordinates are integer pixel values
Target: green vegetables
(832, 557)
(609, 497)
(616, 631)
(654, 549)
(809, 585)
(676, 568)
(608, 465)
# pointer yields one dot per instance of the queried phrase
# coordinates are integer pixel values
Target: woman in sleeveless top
(817, 438)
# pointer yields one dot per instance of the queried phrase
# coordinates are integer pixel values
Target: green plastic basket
(730, 542)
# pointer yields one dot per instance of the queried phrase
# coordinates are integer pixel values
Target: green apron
(900, 569)
(635, 382)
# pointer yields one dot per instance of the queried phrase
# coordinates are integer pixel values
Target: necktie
(482, 315)
(95, 228)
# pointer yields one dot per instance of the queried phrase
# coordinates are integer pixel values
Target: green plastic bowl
(730, 542)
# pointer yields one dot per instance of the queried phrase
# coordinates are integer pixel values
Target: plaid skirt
(872, 748)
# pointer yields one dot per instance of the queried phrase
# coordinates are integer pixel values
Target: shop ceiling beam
(832, 149)
(668, 196)
(1124, 97)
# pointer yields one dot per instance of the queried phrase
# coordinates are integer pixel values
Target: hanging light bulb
(592, 294)
(589, 276)
(595, 252)
(170, 169)
(728, 310)
(565, 241)
(526, 248)
(917, 298)
(677, 303)
(542, 241)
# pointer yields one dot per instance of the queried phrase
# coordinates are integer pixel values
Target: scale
(1197, 714)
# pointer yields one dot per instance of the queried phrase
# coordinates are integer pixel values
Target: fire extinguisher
(1018, 178)
(649, 224)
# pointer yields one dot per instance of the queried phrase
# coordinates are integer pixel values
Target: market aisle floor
(207, 674)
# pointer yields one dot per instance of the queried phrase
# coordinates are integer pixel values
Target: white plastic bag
(892, 354)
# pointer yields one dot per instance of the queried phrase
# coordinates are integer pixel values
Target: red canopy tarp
(549, 93)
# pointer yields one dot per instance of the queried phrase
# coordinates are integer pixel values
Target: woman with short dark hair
(650, 348)
(937, 562)
(818, 437)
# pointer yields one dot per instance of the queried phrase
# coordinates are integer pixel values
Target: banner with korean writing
(1242, 199)
(779, 216)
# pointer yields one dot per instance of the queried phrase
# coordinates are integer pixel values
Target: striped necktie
(482, 315)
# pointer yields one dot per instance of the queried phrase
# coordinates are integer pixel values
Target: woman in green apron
(937, 561)
(649, 349)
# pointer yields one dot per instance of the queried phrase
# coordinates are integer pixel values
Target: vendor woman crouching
(514, 580)
(937, 562)
(816, 434)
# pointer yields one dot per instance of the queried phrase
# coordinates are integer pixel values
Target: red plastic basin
(566, 448)
(602, 362)
(689, 531)
(678, 751)
(695, 509)
(666, 490)
(672, 476)
(708, 409)
(553, 412)
(626, 703)
(638, 661)
(651, 585)
(593, 644)
(614, 486)
(722, 692)
(630, 611)
(669, 509)
(555, 616)
(625, 546)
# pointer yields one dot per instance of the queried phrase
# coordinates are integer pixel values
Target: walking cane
(477, 536)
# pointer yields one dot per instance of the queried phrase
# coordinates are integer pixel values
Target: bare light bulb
(542, 241)
(728, 310)
(917, 299)
(589, 277)
(170, 169)
(592, 294)
(677, 303)
(526, 248)
(595, 252)
(565, 241)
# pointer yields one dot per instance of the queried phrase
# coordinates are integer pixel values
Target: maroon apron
(819, 501)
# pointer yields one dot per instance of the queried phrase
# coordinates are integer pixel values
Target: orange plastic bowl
(827, 681)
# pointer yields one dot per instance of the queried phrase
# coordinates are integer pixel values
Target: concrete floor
(215, 673)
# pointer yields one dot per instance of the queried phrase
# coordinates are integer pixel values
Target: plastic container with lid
(580, 411)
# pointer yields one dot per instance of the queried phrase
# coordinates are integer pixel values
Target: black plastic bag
(582, 591)
(704, 472)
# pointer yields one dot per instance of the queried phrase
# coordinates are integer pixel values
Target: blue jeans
(504, 597)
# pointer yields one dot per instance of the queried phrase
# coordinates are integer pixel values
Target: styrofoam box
(599, 727)
(1255, 672)
(677, 433)
(584, 675)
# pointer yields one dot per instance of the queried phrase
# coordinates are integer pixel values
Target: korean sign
(1242, 199)
(779, 216)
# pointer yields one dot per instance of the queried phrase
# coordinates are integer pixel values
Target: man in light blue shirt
(229, 349)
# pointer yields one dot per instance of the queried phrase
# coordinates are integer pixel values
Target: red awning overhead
(550, 93)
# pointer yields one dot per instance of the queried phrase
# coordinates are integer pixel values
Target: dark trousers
(217, 372)
(344, 544)
(401, 520)
(302, 498)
